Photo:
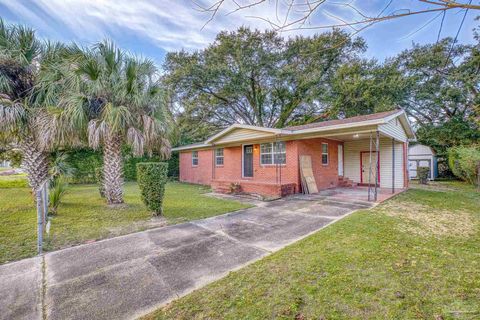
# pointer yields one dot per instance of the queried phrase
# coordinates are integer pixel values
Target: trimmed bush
(464, 162)
(422, 173)
(151, 178)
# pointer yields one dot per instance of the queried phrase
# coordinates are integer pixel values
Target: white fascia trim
(197, 146)
(341, 126)
(244, 126)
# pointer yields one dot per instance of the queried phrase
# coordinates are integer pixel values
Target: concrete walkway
(129, 276)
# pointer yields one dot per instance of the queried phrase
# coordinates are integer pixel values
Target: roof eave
(242, 126)
(191, 147)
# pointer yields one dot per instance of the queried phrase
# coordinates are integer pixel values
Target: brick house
(265, 161)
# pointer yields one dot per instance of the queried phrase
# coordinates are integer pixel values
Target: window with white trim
(219, 157)
(273, 153)
(194, 158)
(324, 153)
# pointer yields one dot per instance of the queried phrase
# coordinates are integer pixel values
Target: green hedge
(152, 177)
(85, 161)
(464, 162)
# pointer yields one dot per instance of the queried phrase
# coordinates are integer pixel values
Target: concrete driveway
(129, 276)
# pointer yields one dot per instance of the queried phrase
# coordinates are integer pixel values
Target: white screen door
(340, 160)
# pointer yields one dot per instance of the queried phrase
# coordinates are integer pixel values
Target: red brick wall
(201, 174)
(326, 176)
(286, 175)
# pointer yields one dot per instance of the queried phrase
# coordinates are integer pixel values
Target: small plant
(235, 187)
(152, 177)
(99, 179)
(60, 172)
(422, 173)
(58, 188)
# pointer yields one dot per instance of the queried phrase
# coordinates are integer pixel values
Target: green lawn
(416, 256)
(83, 215)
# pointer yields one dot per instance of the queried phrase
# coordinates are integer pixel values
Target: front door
(367, 175)
(248, 161)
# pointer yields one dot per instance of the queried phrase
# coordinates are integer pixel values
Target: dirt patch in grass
(425, 221)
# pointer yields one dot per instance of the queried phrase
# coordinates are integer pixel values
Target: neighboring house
(266, 160)
(422, 156)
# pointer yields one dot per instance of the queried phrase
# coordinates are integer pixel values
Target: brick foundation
(261, 188)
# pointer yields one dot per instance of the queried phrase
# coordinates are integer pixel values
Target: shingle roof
(374, 116)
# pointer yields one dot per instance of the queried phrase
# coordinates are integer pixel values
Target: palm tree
(24, 119)
(114, 98)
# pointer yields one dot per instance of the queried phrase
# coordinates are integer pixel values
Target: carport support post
(370, 168)
(393, 165)
(377, 142)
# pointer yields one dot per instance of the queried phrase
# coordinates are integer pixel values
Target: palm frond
(136, 139)
(118, 118)
(12, 114)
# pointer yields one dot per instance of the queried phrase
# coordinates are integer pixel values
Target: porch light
(356, 135)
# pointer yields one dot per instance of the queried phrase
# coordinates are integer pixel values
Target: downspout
(377, 158)
(393, 165)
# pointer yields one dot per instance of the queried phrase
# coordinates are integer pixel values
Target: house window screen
(219, 157)
(273, 153)
(324, 153)
(194, 158)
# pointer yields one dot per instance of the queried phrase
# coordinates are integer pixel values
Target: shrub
(422, 173)
(235, 187)
(100, 181)
(464, 162)
(13, 155)
(57, 189)
(152, 177)
(85, 161)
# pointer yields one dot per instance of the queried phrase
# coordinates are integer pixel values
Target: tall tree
(115, 99)
(257, 78)
(364, 87)
(443, 81)
(24, 115)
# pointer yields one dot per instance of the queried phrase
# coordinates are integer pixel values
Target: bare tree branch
(306, 9)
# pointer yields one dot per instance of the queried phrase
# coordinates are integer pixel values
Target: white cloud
(171, 25)
(177, 24)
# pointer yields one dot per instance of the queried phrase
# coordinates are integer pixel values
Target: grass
(83, 216)
(415, 256)
(13, 181)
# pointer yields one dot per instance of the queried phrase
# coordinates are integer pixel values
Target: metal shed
(422, 156)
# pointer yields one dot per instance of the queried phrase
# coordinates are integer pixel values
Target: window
(273, 153)
(194, 158)
(324, 153)
(219, 157)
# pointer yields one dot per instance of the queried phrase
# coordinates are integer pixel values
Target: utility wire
(456, 36)
(441, 26)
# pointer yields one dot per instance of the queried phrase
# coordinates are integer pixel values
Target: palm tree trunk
(34, 162)
(112, 170)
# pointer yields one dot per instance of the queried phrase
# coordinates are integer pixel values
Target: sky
(151, 28)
